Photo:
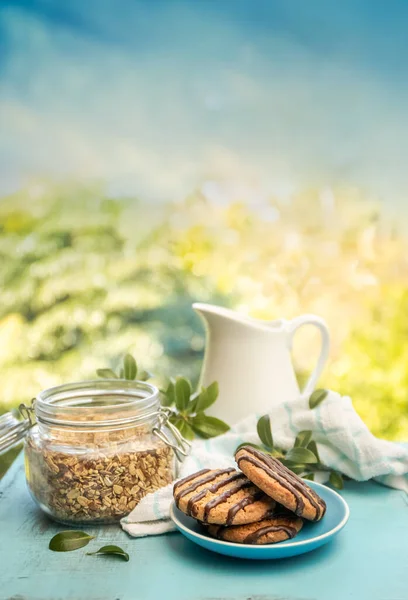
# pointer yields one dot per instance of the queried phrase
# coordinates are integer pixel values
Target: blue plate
(310, 537)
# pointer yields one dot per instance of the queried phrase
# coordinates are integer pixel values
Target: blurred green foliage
(85, 278)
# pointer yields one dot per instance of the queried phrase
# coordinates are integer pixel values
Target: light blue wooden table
(368, 560)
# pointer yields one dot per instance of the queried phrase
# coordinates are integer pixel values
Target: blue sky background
(158, 97)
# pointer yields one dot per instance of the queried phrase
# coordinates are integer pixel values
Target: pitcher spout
(213, 315)
(218, 315)
(205, 310)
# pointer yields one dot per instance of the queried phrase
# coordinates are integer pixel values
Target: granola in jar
(93, 454)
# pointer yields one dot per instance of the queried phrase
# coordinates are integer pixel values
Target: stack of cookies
(263, 503)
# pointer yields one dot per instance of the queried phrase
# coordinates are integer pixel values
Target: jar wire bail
(12, 430)
(180, 445)
(27, 412)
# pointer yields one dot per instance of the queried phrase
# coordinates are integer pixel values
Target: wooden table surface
(367, 561)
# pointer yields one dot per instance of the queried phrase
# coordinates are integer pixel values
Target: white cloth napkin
(344, 444)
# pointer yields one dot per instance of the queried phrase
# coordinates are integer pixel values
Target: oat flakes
(94, 482)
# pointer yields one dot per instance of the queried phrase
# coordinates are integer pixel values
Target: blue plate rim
(288, 543)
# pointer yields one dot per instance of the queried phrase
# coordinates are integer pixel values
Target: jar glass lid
(106, 402)
(95, 404)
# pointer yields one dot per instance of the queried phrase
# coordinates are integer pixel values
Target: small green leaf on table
(129, 367)
(317, 397)
(66, 541)
(264, 431)
(336, 479)
(110, 551)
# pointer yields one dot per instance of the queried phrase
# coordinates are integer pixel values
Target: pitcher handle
(318, 322)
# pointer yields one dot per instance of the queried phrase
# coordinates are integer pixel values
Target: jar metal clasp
(27, 412)
(179, 444)
(13, 430)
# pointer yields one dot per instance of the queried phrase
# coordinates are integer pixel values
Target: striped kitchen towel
(344, 444)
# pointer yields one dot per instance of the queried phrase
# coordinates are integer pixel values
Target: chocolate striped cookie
(222, 496)
(268, 531)
(281, 484)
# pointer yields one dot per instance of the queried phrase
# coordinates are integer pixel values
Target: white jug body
(251, 361)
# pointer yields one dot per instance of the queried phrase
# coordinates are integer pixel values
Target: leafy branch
(189, 413)
(187, 407)
(303, 459)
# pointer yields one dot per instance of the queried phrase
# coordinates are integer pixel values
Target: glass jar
(97, 448)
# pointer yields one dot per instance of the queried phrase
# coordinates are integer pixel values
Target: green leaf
(313, 448)
(298, 469)
(206, 397)
(186, 430)
(182, 393)
(183, 427)
(106, 373)
(191, 407)
(303, 438)
(274, 452)
(248, 444)
(169, 395)
(111, 550)
(144, 375)
(264, 431)
(309, 476)
(317, 397)
(207, 427)
(129, 367)
(66, 541)
(336, 480)
(301, 455)
(121, 374)
(175, 420)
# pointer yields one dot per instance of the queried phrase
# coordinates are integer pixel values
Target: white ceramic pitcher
(252, 362)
